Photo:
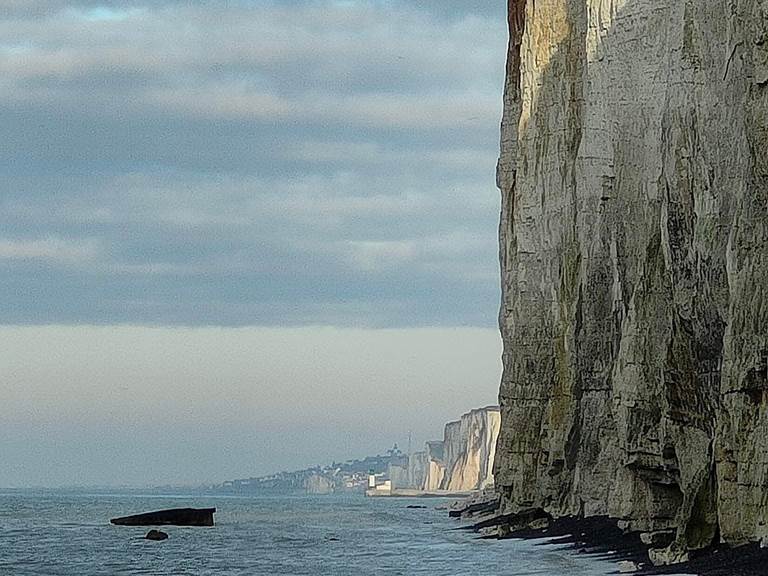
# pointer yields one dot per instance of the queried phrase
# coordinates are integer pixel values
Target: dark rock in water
(482, 504)
(414, 507)
(474, 509)
(174, 517)
(156, 535)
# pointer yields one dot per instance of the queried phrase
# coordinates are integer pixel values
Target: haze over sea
(66, 533)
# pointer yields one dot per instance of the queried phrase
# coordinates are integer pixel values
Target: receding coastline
(458, 465)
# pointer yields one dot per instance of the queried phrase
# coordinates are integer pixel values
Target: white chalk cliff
(463, 460)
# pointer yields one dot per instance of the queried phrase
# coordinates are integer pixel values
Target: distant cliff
(462, 461)
(634, 254)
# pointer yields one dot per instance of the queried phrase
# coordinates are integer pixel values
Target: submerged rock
(627, 566)
(156, 535)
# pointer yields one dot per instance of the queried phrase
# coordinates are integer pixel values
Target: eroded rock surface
(469, 448)
(463, 460)
(634, 253)
(319, 484)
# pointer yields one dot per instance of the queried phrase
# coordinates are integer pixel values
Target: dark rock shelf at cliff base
(602, 538)
(172, 517)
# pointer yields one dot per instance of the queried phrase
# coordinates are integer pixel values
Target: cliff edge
(634, 256)
(461, 462)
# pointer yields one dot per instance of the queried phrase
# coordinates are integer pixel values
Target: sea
(67, 533)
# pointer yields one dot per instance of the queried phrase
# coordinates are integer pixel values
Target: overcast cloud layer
(232, 172)
(250, 163)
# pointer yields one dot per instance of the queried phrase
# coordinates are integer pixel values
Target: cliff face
(634, 254)
(318, 484)
(463, 460)
(418, 464)
(469, 450)
(435, 471)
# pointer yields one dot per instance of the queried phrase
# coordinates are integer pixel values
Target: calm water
(69, 534)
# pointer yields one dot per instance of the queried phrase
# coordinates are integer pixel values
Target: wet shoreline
(602, 538)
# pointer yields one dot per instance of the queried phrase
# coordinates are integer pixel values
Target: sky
(242, 236)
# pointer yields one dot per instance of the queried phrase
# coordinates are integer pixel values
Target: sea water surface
(68, 533)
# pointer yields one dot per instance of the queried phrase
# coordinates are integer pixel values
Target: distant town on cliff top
(460, 463)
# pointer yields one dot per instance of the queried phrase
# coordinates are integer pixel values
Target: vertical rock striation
(463, 460)
(469, 450)
(435, 471)
(634, 255)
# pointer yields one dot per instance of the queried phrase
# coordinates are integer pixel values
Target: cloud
(250, 162)
(223, 101)
(105, 13)
(55, 250)
(380, 255)
(256, 51)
